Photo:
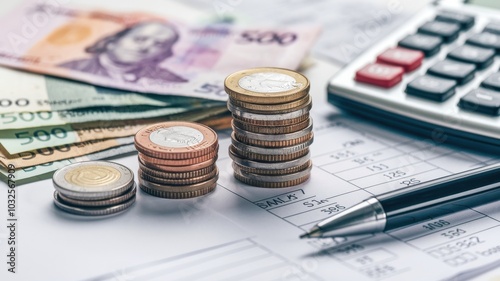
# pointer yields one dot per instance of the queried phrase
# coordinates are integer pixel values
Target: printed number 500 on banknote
(142, 52)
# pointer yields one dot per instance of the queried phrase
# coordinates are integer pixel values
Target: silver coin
(270, 151)
(98, 203)
(93, 180)
(268, 165)
(273, 178)
(268, 82)
(93, 211)
(243, 113)
(275, 137)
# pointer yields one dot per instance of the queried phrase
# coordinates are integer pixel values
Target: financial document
(241, 232)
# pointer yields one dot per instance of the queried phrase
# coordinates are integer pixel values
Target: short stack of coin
(272, 130)
(94, 188)
(177, 159)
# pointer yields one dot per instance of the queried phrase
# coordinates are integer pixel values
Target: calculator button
(428, 44)
(485, 40)
(447, 30)
(481, 57)
(492, 27)
(458, 71)
(380, 75)
(406, 58)
(481, 100)
(430, 87)
(492, 82)
(465, 21)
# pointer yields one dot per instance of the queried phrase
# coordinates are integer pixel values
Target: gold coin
(92, 175)
(273, 108)
(266, 85)
(270, 130)
(173, 181)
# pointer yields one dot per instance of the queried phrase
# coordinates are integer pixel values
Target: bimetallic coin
(97, 203)
(270, 157)
(275, 137)
(173, 181)
(179, 169)
(244, 113)
(270, 130)
(93, 180)
(177, 175)
(284, 122)
(93, 211)
(273, 108)
(266, 85)
(270, 151)
(176, 140)
(178, 162)
(267, 165)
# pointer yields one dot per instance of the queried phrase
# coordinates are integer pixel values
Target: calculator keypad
(429, 45)
(407, 59)
(492, 82)
(432, 88)
(485, 40)
(454, 70)
(465, 21)
(481, 101)
(381, 75)
(492, 27)
(448, 31)
(480, 57)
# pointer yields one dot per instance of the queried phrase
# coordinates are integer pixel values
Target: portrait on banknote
(131, 54)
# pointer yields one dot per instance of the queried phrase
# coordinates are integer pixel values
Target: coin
(97, 203)
(176, 140)
(270, 157)
(274, 178)
(283, 122)
(246, 114)
(272, 144)
(93, 211)
(267, 165)
(260, 183)
(272, 172)
(178, 191)
(273, 108)
(93, 180)
(179, 169)
(266, 85)
(177, 175)
(173, 181)
(178, 162)
(270, 151)
(270, 130)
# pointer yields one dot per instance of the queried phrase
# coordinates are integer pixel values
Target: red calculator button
(382, 75)
(406, 58)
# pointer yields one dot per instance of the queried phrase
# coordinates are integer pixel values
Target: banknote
(20, 140)
(143, 52)
(29, 92)
(19, 120)
(44, 171)
(54, 153)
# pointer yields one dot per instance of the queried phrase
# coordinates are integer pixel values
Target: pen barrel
(441, 196)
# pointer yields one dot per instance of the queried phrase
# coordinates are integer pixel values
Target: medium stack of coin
(272, 130)
(177, 159)
(94, 188)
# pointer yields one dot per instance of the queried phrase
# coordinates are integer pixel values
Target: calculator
(436, 75)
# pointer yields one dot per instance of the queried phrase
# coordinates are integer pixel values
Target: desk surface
(240, 232)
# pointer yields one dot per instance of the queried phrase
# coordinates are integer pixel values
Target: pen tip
(305, 235)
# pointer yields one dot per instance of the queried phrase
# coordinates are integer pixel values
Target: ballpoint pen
(413, 204)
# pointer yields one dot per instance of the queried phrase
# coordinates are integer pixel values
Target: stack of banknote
(77, 84)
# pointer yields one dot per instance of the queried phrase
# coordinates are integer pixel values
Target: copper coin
(177, 175)
(180, 169)
(178, 188)
(174, 181)
(284, 122)
(266, 85)
(176, 140)
(270, 130)
(272, 108)
(178, 162)
(179, 195)
(269, 157)
(273, 172)
(265, 184)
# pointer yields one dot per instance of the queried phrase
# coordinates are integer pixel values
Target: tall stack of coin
(272, 130)
(94, 188)
(177, 159)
